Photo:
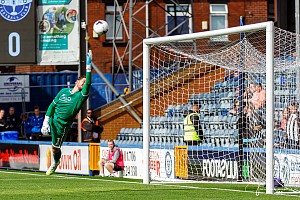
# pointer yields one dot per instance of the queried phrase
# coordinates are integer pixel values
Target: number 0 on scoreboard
(17, 32)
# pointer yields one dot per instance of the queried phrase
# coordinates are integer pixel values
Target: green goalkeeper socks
(57, 156)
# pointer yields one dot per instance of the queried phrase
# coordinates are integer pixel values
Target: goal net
(225, 104)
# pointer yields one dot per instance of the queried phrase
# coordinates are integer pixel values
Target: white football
(100, 27)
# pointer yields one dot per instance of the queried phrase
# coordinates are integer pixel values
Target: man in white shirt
(292, 128)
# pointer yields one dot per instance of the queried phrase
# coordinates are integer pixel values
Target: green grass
(35, 185)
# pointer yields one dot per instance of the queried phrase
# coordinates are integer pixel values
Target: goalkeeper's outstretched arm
(88, 81)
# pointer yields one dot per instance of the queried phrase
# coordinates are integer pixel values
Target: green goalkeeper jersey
(66, 104)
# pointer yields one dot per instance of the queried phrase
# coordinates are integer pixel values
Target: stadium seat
(181, 142)
(217, 142)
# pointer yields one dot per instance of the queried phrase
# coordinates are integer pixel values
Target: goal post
(169, 44)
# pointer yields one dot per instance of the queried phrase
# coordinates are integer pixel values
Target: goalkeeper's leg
(57, 140)
(56, 155)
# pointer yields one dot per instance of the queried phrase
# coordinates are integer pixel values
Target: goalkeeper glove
(88, 62)
(45, 128)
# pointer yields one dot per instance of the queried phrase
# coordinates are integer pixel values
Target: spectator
(247, 95)
(292, 128)
(13, 121)
(258, 99)
(193, 133)
(114, 160)
(91, 128)
(256, 107)
(3, 124)
(26, 125)
(284, 119)
(36, 123)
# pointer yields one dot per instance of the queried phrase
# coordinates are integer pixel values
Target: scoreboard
(17, 32)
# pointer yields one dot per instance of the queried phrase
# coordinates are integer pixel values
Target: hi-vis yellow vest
(190, 132)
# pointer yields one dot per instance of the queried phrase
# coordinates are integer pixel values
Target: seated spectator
(292, 128)
(3, 124)
(13, 121)
(36, 123)
(91, 128)
(114, 160)
(26, 125)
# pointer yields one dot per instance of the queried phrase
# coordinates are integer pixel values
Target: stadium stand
(220, 127)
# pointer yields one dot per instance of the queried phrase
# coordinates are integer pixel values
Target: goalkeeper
(63, 110)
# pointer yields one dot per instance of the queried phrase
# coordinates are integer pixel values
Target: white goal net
(226, 103)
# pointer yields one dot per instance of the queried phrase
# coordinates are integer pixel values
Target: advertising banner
(216, 165)
(19, 156)
(161, 162)
(287, 168)
(74, 159)
(58, 32)
(14, 88)
(132, 161)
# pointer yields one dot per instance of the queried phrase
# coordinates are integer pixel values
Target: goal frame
(269, 28)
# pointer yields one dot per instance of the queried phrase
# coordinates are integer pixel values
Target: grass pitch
(36, 185)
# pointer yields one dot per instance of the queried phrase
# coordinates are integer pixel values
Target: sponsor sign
(217, 165)
(161, 162)
(14, 88)
(19, 156)
(215, 168)
(132, 161)
(74, 159)
(287, 168)
(58, 32)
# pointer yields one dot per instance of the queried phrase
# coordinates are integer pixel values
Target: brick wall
(254, 11)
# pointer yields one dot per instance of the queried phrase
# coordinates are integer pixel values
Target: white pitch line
(130, 182)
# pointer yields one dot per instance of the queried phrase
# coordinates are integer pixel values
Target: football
(100, 27)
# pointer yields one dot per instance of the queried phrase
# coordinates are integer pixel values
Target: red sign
(19, 156)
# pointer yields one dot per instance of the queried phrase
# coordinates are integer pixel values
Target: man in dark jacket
(91, 128)
(13, 121)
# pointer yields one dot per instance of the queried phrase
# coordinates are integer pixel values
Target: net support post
(269, 107)
(146, 113)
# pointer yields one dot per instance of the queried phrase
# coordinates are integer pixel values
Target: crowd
(27, 125)
(250, 105)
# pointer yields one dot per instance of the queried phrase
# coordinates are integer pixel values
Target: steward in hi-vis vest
(192, 129)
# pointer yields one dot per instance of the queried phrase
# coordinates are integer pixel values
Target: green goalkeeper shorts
(59, 130)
